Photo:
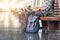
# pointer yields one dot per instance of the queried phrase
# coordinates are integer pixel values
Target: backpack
(32, 24)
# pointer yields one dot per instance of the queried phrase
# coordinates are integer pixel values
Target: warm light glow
(7, 6)
(14, 3)
(6, 23)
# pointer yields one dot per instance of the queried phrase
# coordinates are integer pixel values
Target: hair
(29, 6)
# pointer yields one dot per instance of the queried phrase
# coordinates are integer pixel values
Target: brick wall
(56, 7)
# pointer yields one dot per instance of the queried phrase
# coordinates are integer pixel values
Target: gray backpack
(32, 24)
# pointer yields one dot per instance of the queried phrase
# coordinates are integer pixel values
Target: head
(29, 6)
(15, 9)
(22, 9)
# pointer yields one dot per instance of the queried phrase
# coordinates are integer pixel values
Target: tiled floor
(17, 35)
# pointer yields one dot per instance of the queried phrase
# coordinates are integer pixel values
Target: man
(47, 6)
(28, 10)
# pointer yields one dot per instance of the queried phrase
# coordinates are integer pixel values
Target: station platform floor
(17, 35)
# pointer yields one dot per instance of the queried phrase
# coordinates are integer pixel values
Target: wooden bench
(53, 23)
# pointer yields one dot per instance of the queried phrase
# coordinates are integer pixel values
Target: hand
(40, 8)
